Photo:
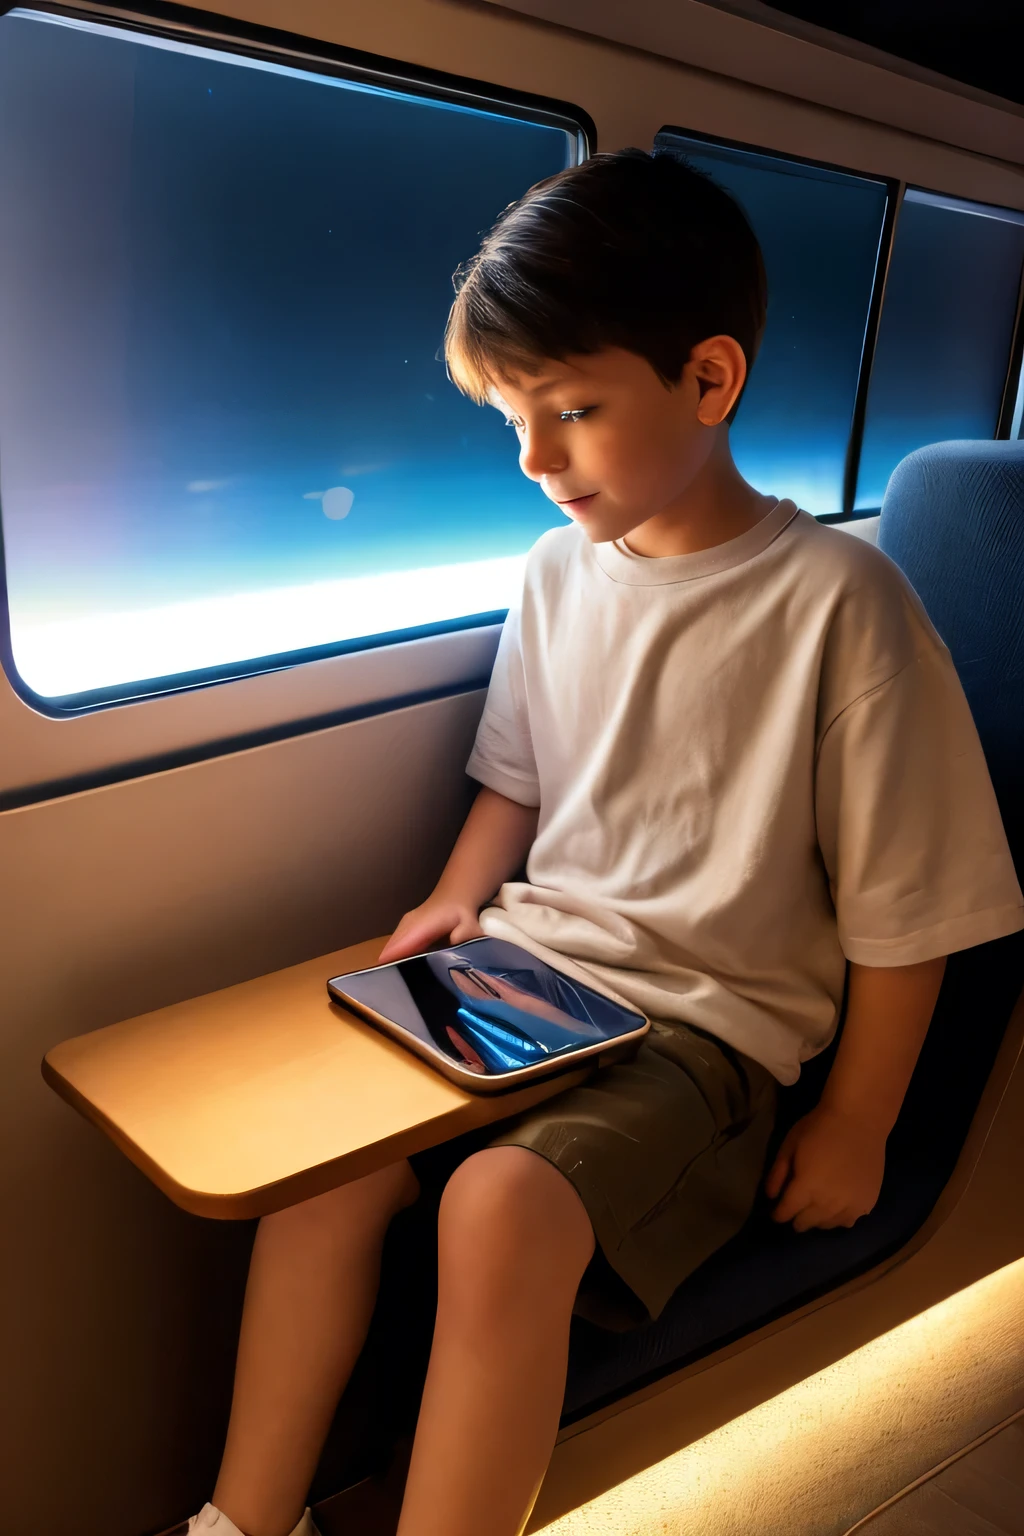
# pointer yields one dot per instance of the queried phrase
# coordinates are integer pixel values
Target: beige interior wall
(631, 93)
(117, 1310)
(752, 42)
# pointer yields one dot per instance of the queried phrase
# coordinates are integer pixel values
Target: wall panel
(119, 1311)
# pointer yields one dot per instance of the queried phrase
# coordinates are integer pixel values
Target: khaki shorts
(666, 1152)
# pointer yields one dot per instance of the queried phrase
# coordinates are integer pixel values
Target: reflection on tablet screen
(490, 1006)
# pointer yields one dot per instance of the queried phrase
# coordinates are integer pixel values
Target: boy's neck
(717, 505)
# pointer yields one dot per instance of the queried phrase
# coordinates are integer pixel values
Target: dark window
(225, 428)
(947, 326)
(820, 232)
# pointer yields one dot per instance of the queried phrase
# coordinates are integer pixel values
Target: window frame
(275, 46)
(1014, 380)
(1014, 376)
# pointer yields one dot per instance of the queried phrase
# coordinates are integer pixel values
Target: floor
(982, 1494)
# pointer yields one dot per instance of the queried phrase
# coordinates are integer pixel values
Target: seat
(953, 520)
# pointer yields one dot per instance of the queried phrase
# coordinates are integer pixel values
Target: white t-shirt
(753, 764)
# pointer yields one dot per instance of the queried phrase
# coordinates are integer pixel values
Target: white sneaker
(210, 1519)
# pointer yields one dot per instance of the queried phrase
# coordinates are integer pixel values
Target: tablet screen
(488, 1006)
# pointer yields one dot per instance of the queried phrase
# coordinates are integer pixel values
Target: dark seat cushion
(953, 519)
(768, 1270)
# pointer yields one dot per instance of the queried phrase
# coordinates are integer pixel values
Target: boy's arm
(829, 1168)
(491, 846)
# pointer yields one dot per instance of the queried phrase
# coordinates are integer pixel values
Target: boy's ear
(720, 369)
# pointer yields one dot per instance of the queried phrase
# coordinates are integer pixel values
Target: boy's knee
(507, 1211)
(494, 1188)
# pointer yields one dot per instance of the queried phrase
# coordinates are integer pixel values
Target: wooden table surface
(250, 1099)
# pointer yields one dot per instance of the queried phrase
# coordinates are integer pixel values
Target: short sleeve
(502, 756)
(908, 824)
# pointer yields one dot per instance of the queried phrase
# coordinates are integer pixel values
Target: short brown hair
(626, 250)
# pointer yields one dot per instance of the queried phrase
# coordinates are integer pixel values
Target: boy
(737, 763)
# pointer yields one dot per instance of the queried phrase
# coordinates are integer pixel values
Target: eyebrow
(543, 386)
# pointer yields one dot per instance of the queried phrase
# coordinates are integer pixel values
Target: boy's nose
(540, 456)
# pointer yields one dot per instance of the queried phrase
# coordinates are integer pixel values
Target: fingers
(815, 1216)
(805, 1212)
(396, 948)
(794, 1200)
(780, 1171)
(824, 1175)
(810, 1216)
(414, 938)
(424, 926)
(466, 930)
(801, 1203)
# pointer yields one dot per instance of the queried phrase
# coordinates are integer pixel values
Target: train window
(821, 235)
(946, 331)
(226, 432)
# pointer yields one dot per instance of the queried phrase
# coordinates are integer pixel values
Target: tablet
(490, 1015)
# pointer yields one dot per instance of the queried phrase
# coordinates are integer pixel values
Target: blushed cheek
(647, 456)
(644, 482)
(624, 473)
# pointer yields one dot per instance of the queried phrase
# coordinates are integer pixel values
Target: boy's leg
(308, 1302)
(513, 1242)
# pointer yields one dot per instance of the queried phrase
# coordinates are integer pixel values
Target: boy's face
(608, 441)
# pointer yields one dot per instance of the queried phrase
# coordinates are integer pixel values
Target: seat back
(953, 520)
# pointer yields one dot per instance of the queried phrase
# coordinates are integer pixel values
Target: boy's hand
(437, 918)
(489, 849)
(828, 1170)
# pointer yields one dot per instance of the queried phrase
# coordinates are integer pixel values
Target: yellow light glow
(824, 1453)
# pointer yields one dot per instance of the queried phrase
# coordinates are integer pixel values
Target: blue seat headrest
(953, 520)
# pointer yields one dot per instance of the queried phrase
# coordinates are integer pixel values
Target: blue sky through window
(223, 288)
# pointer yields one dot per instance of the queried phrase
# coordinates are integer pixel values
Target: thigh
(666, 1152)
(342, 1213)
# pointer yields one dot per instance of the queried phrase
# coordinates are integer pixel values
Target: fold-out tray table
(253, 1098)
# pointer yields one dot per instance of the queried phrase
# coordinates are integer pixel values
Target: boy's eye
(575, 415)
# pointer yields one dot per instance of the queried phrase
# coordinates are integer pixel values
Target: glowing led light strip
(100, 651)
(820, 1456)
